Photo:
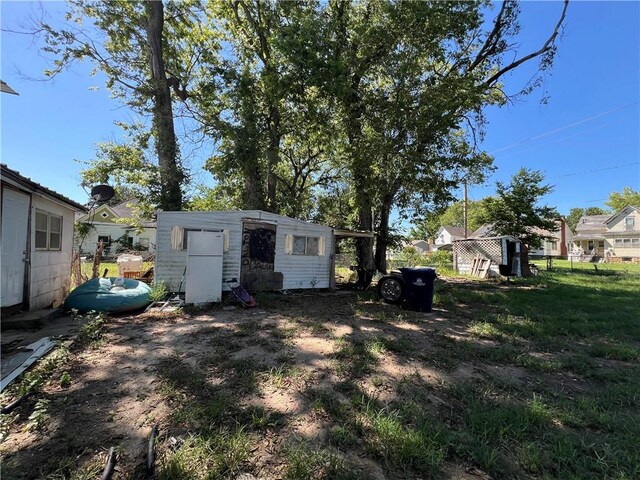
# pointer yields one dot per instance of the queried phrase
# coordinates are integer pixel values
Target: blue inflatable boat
(112, 295)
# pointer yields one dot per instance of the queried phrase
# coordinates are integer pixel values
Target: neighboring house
(37, 241)
(262, 250)
(613, 236)
(107, 226)
(421, 246)
(557, 246)
(446, 236)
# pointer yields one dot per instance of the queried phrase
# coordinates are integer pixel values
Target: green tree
(429, 67)
(516, 210)
(619, 200)
(453, 216)
(146, 50)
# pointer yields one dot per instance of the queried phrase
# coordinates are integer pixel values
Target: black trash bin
(419, 287)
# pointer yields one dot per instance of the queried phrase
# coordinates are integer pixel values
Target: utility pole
(464, 209)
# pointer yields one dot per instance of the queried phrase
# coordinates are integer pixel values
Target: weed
(375, 347)
(221, 455)
(158, 292)
(306, 463)
(67, 469)
(403, 446)
(35, 378)
(65, 379)
(92, 331)
(39, 416)
(342, 436)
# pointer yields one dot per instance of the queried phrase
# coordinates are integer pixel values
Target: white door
(15, 217)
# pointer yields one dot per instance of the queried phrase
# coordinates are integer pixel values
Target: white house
(616, 237)
(37, 241)
(262, 250)
(446, 236)
(106, 224)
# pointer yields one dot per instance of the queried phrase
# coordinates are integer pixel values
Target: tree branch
(545, 48)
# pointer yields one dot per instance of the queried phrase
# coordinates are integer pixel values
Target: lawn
(110, 267)
(532, 379)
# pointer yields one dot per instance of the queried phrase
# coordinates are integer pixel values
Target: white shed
(37, 240)
(262, 250)
(505, 253)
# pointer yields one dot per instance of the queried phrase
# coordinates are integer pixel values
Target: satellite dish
(102, 193)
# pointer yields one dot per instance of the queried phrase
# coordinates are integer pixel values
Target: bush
(440, 258)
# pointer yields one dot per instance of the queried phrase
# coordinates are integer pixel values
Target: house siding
(115, 231)
(50, 274)
(299, 271)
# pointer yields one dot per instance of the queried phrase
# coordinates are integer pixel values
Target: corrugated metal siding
(299, 271)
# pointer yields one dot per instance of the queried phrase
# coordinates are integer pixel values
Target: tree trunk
(364, 246)
(171, 176)
(359, 169)
(254, 196)
(273, 157)
(382, 241)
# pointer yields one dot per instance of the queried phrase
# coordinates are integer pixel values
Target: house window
(48, 231)
(106, 239)
(601, 244)
(627, 242)
(590, 245)
(553, 245)
(628, 223)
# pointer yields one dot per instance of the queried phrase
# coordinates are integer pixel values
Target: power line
(559, 140)
(585, 172)
(584, 120)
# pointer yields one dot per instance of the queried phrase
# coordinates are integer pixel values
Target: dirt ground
(279, 358)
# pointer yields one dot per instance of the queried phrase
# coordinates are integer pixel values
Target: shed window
(300, 245)
(179, 237)
(48, 231)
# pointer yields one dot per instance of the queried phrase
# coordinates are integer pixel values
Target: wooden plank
(484, 269)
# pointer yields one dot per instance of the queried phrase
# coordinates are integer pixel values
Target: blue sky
(586, 139)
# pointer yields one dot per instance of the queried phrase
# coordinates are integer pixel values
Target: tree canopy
(334, 111)
(619, 200)
(516, 210)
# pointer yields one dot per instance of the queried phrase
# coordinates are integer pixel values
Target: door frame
(260, 222)
(27, 256)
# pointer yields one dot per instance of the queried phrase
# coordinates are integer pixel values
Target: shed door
(15, 218)
(258, 249)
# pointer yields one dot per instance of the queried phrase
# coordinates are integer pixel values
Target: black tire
(391, 289)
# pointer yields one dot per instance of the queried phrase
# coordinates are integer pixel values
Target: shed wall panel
(299, 271)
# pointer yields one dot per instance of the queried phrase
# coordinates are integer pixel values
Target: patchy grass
(534, 379)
